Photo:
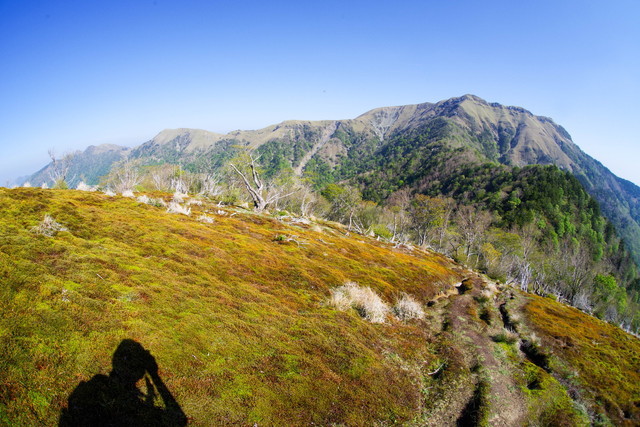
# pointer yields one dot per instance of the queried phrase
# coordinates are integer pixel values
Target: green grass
(236, 319)
(602, 361)
(239, 322)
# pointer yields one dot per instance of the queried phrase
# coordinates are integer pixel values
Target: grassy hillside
(597, 361)
(234, 312)
(238, 317)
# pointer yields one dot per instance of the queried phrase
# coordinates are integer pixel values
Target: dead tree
(59, 169)
(256, 188)
(261, 193)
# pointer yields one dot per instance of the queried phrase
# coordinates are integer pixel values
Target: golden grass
(600, 359)
(236, 319)
(236, 313)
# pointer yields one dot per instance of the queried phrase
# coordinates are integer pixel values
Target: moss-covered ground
(597, 362)
(236, 313)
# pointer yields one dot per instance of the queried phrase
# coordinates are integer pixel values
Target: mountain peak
(470, 97)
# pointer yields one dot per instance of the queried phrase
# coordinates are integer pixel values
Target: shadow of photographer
(116, 400)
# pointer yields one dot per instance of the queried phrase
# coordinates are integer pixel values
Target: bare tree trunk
(255, 189)
(59, 169)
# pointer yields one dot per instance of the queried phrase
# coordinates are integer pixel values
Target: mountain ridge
(503, 134)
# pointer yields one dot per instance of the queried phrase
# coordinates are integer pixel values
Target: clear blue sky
(80, 73)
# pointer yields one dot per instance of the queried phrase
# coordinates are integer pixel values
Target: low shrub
(84, 187)
(179, 197)
(48, 227)
(481, 299)
(205, 219)
(505, 337)
(178, 208)
(158, 203)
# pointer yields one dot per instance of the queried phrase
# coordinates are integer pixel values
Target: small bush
(48, 227)
(505, 337)
(179, 197)
(158, 203)
(465, 286)
(485, 296)
(84, 187)
(61, 184)
(109, 193)
(128, 193)
(178, 208)
(381, 230)
(407, 308)
(481, 299)
(364, 300)
(205, 219)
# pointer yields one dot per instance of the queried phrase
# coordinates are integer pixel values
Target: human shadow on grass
(115, 399)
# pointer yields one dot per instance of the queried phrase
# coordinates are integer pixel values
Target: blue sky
(80, 73)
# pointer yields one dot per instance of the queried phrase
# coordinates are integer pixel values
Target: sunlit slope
(599, 362)
(235, 311)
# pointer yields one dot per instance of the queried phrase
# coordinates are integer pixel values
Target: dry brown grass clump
(48, 227)
(408, 308)
(371, 307)
(175, 207)
(362, 298)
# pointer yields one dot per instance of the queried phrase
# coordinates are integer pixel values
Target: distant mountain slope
(249, 322)
(347, 148)
(88, 165)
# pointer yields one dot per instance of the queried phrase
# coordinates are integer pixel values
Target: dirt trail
(456, 388)
(506, 402)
